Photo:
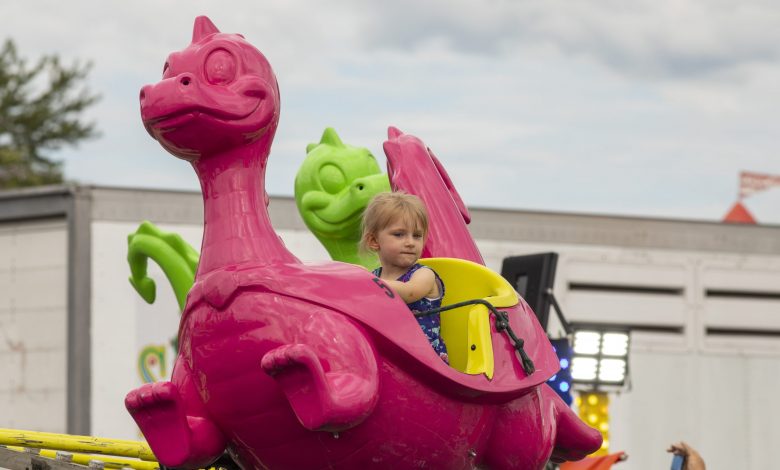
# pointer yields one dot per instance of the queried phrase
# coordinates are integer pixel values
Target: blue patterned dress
(430, 324)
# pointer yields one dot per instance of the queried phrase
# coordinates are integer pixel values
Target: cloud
(650, 38)
(643, 107)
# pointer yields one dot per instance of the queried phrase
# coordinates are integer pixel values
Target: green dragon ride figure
(176, 257)
(333, 186)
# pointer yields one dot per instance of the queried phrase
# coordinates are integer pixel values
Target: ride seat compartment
(466, 330)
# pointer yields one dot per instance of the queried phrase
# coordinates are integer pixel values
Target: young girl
(395, 226)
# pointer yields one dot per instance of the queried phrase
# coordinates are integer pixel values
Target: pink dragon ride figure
(295, 366)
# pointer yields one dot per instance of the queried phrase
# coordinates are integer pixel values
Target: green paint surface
(176, 257)
(332, 188)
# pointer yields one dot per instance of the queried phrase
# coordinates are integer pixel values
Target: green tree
(40, 110)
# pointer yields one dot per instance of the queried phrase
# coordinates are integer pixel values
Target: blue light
(561, 382)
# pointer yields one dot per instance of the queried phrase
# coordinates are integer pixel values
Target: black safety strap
(502, 324)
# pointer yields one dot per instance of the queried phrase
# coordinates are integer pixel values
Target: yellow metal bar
(82, 444)
(108, 461)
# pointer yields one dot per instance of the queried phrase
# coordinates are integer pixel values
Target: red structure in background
(749, 184)
(738, 214)
(604, 462)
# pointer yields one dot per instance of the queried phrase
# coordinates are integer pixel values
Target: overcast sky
(647, 107)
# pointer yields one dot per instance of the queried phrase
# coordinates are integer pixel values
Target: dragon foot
(177, 440)
(574, 439)
(322, 401)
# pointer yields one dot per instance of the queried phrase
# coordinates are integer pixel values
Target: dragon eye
(332, 179)
(220, 67)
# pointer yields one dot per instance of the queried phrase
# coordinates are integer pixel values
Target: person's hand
(693, 460)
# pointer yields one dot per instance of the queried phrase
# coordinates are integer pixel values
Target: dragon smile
(185, 114)
(172, 120)
(343, 221)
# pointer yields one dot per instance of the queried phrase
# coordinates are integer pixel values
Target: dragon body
(287, 365)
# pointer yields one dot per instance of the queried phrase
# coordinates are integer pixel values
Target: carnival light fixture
(600, 356)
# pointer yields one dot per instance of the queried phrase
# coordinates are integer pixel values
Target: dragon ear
(311, 147)
(203, 27)
(331, 138)
(393, 133)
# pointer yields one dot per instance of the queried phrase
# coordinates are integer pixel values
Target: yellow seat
(466, 330)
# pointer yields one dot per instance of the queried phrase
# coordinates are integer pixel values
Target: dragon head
(333, 187)
(217, 94)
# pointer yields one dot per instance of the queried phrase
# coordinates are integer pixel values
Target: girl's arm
(422, 284)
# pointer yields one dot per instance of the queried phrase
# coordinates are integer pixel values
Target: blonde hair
(386, 208)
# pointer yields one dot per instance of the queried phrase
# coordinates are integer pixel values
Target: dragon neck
(236, 226)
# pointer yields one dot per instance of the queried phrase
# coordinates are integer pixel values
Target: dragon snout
(168, 98)
(142, 97)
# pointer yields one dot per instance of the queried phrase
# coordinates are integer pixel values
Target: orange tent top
(594, 463)
(739, 215)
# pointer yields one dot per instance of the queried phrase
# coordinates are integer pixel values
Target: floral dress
(430, 324)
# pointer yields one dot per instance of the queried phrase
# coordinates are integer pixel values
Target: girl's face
(398, 245)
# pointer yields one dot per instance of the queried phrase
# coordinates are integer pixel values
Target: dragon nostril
(185, 81)
(143, 95)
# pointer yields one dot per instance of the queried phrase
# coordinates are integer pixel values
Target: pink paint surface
(293, 366)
